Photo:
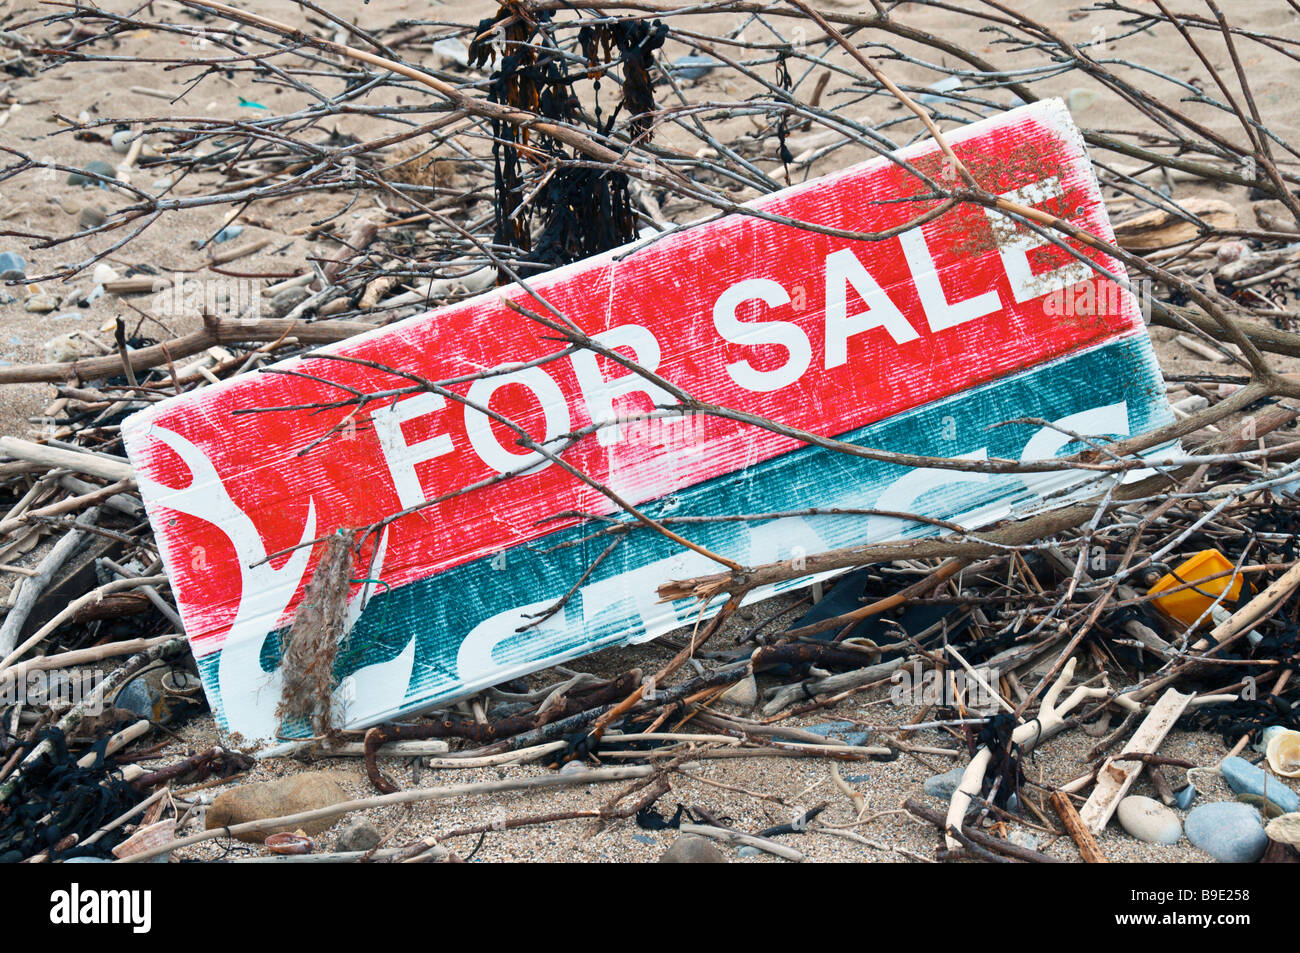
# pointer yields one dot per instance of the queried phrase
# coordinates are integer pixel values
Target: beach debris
(958, 602)
(1229, 832)
(163, 693)
(1285, 829)
(147, 837)
(307, 663)
(297, 794)
(1079, 831)
(1195, 585)
(1283, 751)
(522, 597)
(289, 842)
(1158, 228)
(1148, 820)
(1117, 775)
(1051, 720)
(1245, 778)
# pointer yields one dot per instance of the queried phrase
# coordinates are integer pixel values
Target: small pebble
(692, 67)
(287, 300)
(452, 50)
(91, 217)
(1231, 251)
(99, 167)
(1079, 99)
(1148, 820)
(41, 303)
(1185, 797)
(12, 267)
(1229, 832)
(743, 694)
(943, 785)
(359, 835)
(1024, 839)
(946, 85)
(122, 140)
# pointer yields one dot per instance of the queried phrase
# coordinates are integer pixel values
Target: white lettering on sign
(401, 456)
(478, 426)
(1015, 242)
(599, 394)
(938, 311)
(843, 269)
(784, 333)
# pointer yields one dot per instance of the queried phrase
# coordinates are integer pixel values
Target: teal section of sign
(471, 624)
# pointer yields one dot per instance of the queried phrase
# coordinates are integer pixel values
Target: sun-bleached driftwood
(1050, 720)
(31, 587)
(1115, 777)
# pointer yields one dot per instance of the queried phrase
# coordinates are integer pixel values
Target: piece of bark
(1075, 827)
(1157, 228)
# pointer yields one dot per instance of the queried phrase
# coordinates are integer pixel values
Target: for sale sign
(932, 342)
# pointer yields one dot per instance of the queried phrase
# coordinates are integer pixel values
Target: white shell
(1283, 753)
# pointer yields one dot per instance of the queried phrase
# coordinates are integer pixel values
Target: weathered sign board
(922, 343)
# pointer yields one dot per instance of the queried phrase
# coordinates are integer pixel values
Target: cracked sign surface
(923, 343)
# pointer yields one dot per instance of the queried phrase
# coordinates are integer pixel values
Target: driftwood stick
(31, 587)
(986, 841)
(1077, 830)
(99, 494)
(745, 840)
(81, 657)
(77, 715)
(71, 609)
(400, 797)
(91, 463)
(215, 332)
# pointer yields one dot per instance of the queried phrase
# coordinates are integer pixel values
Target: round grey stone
(1229, 832)
(944, 785)
(359, 835)
(692, 849)
(98, 167)
(12, 266)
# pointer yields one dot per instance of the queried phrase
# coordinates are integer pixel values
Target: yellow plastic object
(1188, 605)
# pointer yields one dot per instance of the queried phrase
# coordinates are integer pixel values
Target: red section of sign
(781, 280)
